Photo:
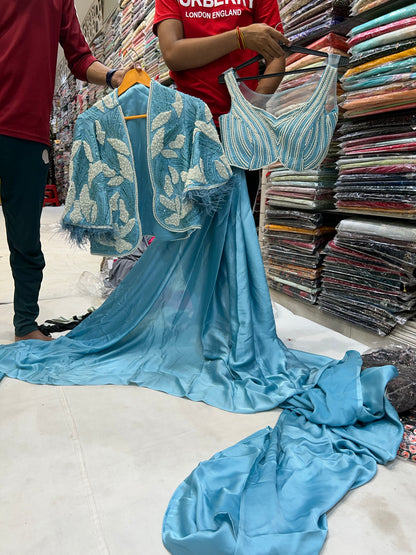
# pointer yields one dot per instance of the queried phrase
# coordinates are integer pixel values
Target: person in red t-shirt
(200, 39)
(30, 33)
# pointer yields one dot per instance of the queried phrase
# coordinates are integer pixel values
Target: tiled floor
(90, 470)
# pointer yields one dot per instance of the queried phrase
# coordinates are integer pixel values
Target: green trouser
(23, 172)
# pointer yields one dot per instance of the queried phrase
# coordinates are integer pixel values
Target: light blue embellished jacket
(153, 176)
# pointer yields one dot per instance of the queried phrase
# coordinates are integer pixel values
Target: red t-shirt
(203, 18)
(29, 35)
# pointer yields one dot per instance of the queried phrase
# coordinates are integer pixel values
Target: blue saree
(205, 330)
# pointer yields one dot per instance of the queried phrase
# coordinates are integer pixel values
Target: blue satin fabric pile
(193, 318)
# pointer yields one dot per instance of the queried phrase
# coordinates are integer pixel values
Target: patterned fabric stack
(378, 139)
(292, 252)
(308, 19)
(112, 41)
(369, 274)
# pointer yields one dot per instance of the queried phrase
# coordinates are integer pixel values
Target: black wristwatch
(109, 76)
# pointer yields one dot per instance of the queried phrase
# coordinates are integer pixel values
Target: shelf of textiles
(377, 164)
(360, 270)
(139, 44)
(308, 20)
(369, 274)
(293, 245)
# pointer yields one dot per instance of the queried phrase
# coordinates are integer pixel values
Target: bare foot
(36, 334)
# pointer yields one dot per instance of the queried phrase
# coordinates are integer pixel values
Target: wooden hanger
(133, 77)
(289, 50)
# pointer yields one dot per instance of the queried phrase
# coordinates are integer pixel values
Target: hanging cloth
(254, 138)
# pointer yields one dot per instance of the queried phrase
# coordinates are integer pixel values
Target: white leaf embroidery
(119, 146)
(167, 202)
(75, 148)
(207, 129)
(157, 142)
(173, 220)
(186, 208)
(178, 104)
(76, 215)
(124, 215)
(125, 229)
(87, 151)
(168, 186)
(222, 169)
(161, 119)
(107, 171)
(178, 142)
(99, 132)
(174, 174)
(115, 181)
(86, 203)
(169, 153)
(113, 201)
(109, 100)
(122, 245)
(126, 169)
(208, 115)
(93, 171)
(100, 106)
(196, 174)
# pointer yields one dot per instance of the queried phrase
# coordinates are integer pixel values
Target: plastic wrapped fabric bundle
(325, 24)
(391, 67)
(389, 17)
(406, 32)
(381, 52)
(292, 254)
(368, 274)
(359, 38)
(383, 61)
(381, 80)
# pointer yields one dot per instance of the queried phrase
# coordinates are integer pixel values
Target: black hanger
(289, 50)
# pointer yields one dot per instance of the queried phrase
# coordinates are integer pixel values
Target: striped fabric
(300, 138)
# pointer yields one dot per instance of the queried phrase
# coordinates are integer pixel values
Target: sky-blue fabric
(193, 318)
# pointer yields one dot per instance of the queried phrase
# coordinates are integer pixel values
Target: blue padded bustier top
(299, 138)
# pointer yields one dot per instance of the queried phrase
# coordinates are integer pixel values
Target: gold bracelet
(243, 42)
(239, 38)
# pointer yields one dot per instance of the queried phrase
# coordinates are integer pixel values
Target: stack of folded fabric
(307, 19)
(112, 41)
(292, 251)
(377, 168)
(369, 274)
(151, 55)
(382, 59)
(153, 61)
(313, 189)
(378, 138)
